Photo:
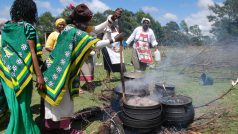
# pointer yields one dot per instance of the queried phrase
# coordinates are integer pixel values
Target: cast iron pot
(141, 124)
(131, 92)
(178, 111)
(117, 95)
(142, 112)
(168, 91)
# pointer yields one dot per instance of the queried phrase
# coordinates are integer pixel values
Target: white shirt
(136, 33)
(114, 55)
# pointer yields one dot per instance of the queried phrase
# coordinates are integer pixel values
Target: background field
(181, 66)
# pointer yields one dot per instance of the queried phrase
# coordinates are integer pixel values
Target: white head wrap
(143, 19)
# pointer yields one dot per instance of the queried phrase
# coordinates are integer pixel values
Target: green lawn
(182, 67)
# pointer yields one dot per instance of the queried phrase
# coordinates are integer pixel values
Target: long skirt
(87, 70)
(21, 120)
(59, 116)
(108, 64)
(138, 66)
(60, 112)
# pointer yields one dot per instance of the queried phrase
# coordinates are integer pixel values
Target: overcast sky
(192, 11)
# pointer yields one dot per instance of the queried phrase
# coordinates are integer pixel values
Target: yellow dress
(52, 40)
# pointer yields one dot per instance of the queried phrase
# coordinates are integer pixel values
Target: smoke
(183, 67)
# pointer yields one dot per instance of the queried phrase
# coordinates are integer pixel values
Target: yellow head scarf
(60, 20)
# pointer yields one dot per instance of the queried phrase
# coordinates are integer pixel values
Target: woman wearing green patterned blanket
(64, 64)
(20, 57)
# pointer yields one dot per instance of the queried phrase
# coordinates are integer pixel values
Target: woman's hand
(119, 37)
(117, 14)
(40, 82)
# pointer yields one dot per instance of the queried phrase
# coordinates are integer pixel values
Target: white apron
(114, 51)
(143, 50)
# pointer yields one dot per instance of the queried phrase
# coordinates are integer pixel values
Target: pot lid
(129, 91)
(176, 100)
(134, 75)
(133, 87)
(164, 84)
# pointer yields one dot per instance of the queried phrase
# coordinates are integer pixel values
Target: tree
(184, 27)
(127, 22)
(98, 18)
(172, 26)
(225, 19)
(195, 31)
(196, 35)
(45, 25)
(171, 34)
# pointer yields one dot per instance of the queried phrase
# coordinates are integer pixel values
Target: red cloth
(57, 124)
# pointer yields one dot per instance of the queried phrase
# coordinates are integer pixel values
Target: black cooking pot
(133, 88)
(165, 89)
(142, 119)
(130, 92)
(141, 124)
(117, 95)
(142, 112)
(178, 111)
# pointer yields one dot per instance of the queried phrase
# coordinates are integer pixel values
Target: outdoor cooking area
(147, 105)
(187, 92)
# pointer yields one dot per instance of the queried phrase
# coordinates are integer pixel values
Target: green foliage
(172, 26)
(98, 18)
(184, 27)
(45, 24)
(170, 34)
(127, 22)
(182, 34)
(225, 19)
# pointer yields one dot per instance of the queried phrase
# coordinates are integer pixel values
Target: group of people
(69, 47)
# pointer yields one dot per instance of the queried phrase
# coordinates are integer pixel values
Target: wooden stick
(122, 72)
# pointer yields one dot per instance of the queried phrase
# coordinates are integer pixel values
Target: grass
(176, 68)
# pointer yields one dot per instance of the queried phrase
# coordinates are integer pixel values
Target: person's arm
(104, 43)
(132, 37)
(30, 33)
(107, 35)
(40, 81)
(110, 19)
(100, 28)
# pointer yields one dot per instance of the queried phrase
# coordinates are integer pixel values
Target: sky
(194, 12)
